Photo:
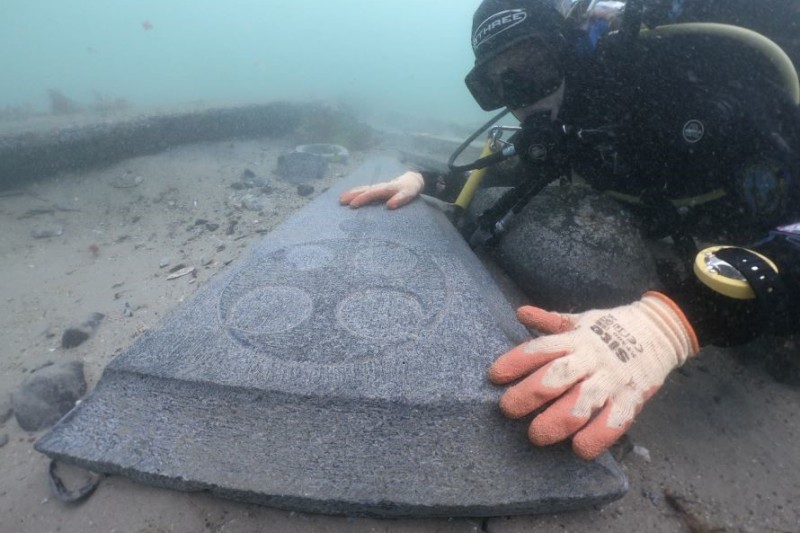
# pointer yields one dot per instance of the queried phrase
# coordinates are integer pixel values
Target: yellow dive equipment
(475, 178)
(724, 278)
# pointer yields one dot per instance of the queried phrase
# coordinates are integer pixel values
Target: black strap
(66, 495)
(542, 145)
(485, 230)
(767, 284)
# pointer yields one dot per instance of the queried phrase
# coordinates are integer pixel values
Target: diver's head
(520, 48)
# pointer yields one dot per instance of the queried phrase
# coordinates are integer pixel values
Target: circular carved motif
(334, 302)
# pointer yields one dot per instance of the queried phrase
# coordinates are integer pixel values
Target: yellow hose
(474, 180)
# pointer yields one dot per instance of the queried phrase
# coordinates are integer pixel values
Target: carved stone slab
(339, 368)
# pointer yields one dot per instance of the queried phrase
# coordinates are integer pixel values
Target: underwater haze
(387, 59)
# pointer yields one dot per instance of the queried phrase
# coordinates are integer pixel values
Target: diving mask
(517, 78)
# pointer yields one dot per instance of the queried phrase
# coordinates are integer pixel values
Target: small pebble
(642, 452)
(304, 189)
(163, 263)
(73, 337)
(46, 233)
(182, 272)
(3, 440)
(253, 203)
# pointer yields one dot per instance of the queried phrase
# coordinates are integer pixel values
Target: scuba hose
(474, 180)
(540, 143)
(483, 161)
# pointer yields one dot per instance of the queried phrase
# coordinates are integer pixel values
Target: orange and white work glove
(599, 366)
(397, 192)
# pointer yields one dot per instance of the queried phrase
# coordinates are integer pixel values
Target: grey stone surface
(48, 394)
(339, 368)
(573, 249)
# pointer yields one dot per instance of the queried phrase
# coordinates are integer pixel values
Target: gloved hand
(397, 192)
(599, 366)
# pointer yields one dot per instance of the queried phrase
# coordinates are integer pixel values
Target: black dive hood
(631, 23)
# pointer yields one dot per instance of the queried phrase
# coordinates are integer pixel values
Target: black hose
(632, 20)
(475, 164)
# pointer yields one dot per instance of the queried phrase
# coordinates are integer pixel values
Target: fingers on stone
(531, 393)
(558, 421)
(544, 321)
(520, 362)
(599, 434)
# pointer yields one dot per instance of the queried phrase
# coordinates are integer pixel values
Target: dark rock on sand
(48, 394)
(304, 189)
(77, 335)
(299, 167)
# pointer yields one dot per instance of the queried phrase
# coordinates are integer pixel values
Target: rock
(77, 335)
(210, 226)
(231, 229)
(642, 452)
(249, 180)
(299, 167)
(48, 394)
(73, 337)
(5, 408)
(304, 189)
(164, 262)
(257, 181)
(182, 272)
(126, 181)
(47, 233)
(573, 249)
(3, 440)
(253, 203)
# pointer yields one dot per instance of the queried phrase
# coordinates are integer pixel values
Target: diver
(639, 118)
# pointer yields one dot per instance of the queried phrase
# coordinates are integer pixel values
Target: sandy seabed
(716, 450)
